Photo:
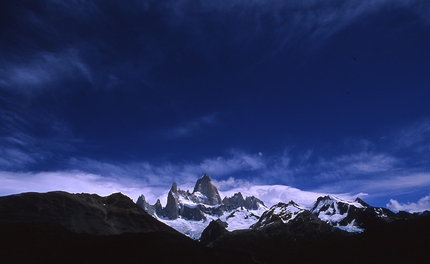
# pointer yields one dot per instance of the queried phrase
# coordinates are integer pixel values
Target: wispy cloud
(294, 21)
(11, 158)
(381, 185)
(363, 170)
(43, 69)
(23, 143)
(166, 173)
(65, 25)
(421, 205)
(191, 127)
(154, 180)
(359, 163)
(415, 136)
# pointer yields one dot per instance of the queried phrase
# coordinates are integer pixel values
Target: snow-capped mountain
(191, 212)
(282, 223)
(350, 216)
(280, 212)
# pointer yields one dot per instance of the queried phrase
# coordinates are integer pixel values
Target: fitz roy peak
(204, 200)
(210, 192)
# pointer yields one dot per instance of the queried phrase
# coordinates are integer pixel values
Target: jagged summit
(363, 203)
(203, 205)
(174, 188)
(205, 199)
(204, 186)
(237, 200)
(280, 212)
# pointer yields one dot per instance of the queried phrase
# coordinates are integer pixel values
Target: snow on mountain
(237, 219)
(350, 216)
(242, 218)
(190, 213)
(279, 212)
(334, 211)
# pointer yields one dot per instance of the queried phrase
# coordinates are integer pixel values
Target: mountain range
(63, 227)
(191, 212)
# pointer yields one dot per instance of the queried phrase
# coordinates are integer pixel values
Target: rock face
(141, 201)
(237, 200)
(84, 213)
(252, 203)
(204, 186)
(172, 206)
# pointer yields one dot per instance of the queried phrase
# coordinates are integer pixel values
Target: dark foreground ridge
(81, 213)
(60, 227)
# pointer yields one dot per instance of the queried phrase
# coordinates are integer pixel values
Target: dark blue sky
(324, 96)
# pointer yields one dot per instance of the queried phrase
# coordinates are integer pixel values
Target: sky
(311, 96)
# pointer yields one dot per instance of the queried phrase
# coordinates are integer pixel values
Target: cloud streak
(44, 70)
(191, 127)
(165, 174)
(415, 136)
(264, 26)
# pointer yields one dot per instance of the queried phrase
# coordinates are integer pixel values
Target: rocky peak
(237, 201)
(363, 203)
(234, 202)
(141, 201)
(253, 203)
(279, 213)
(172, 206)
(174, 188)
(204, 186)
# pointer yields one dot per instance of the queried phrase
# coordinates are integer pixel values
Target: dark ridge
(213, 231)
(402, 241)
(53, 243)
(85, 213)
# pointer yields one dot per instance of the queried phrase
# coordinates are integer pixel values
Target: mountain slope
(85, 213)
(59, 227)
